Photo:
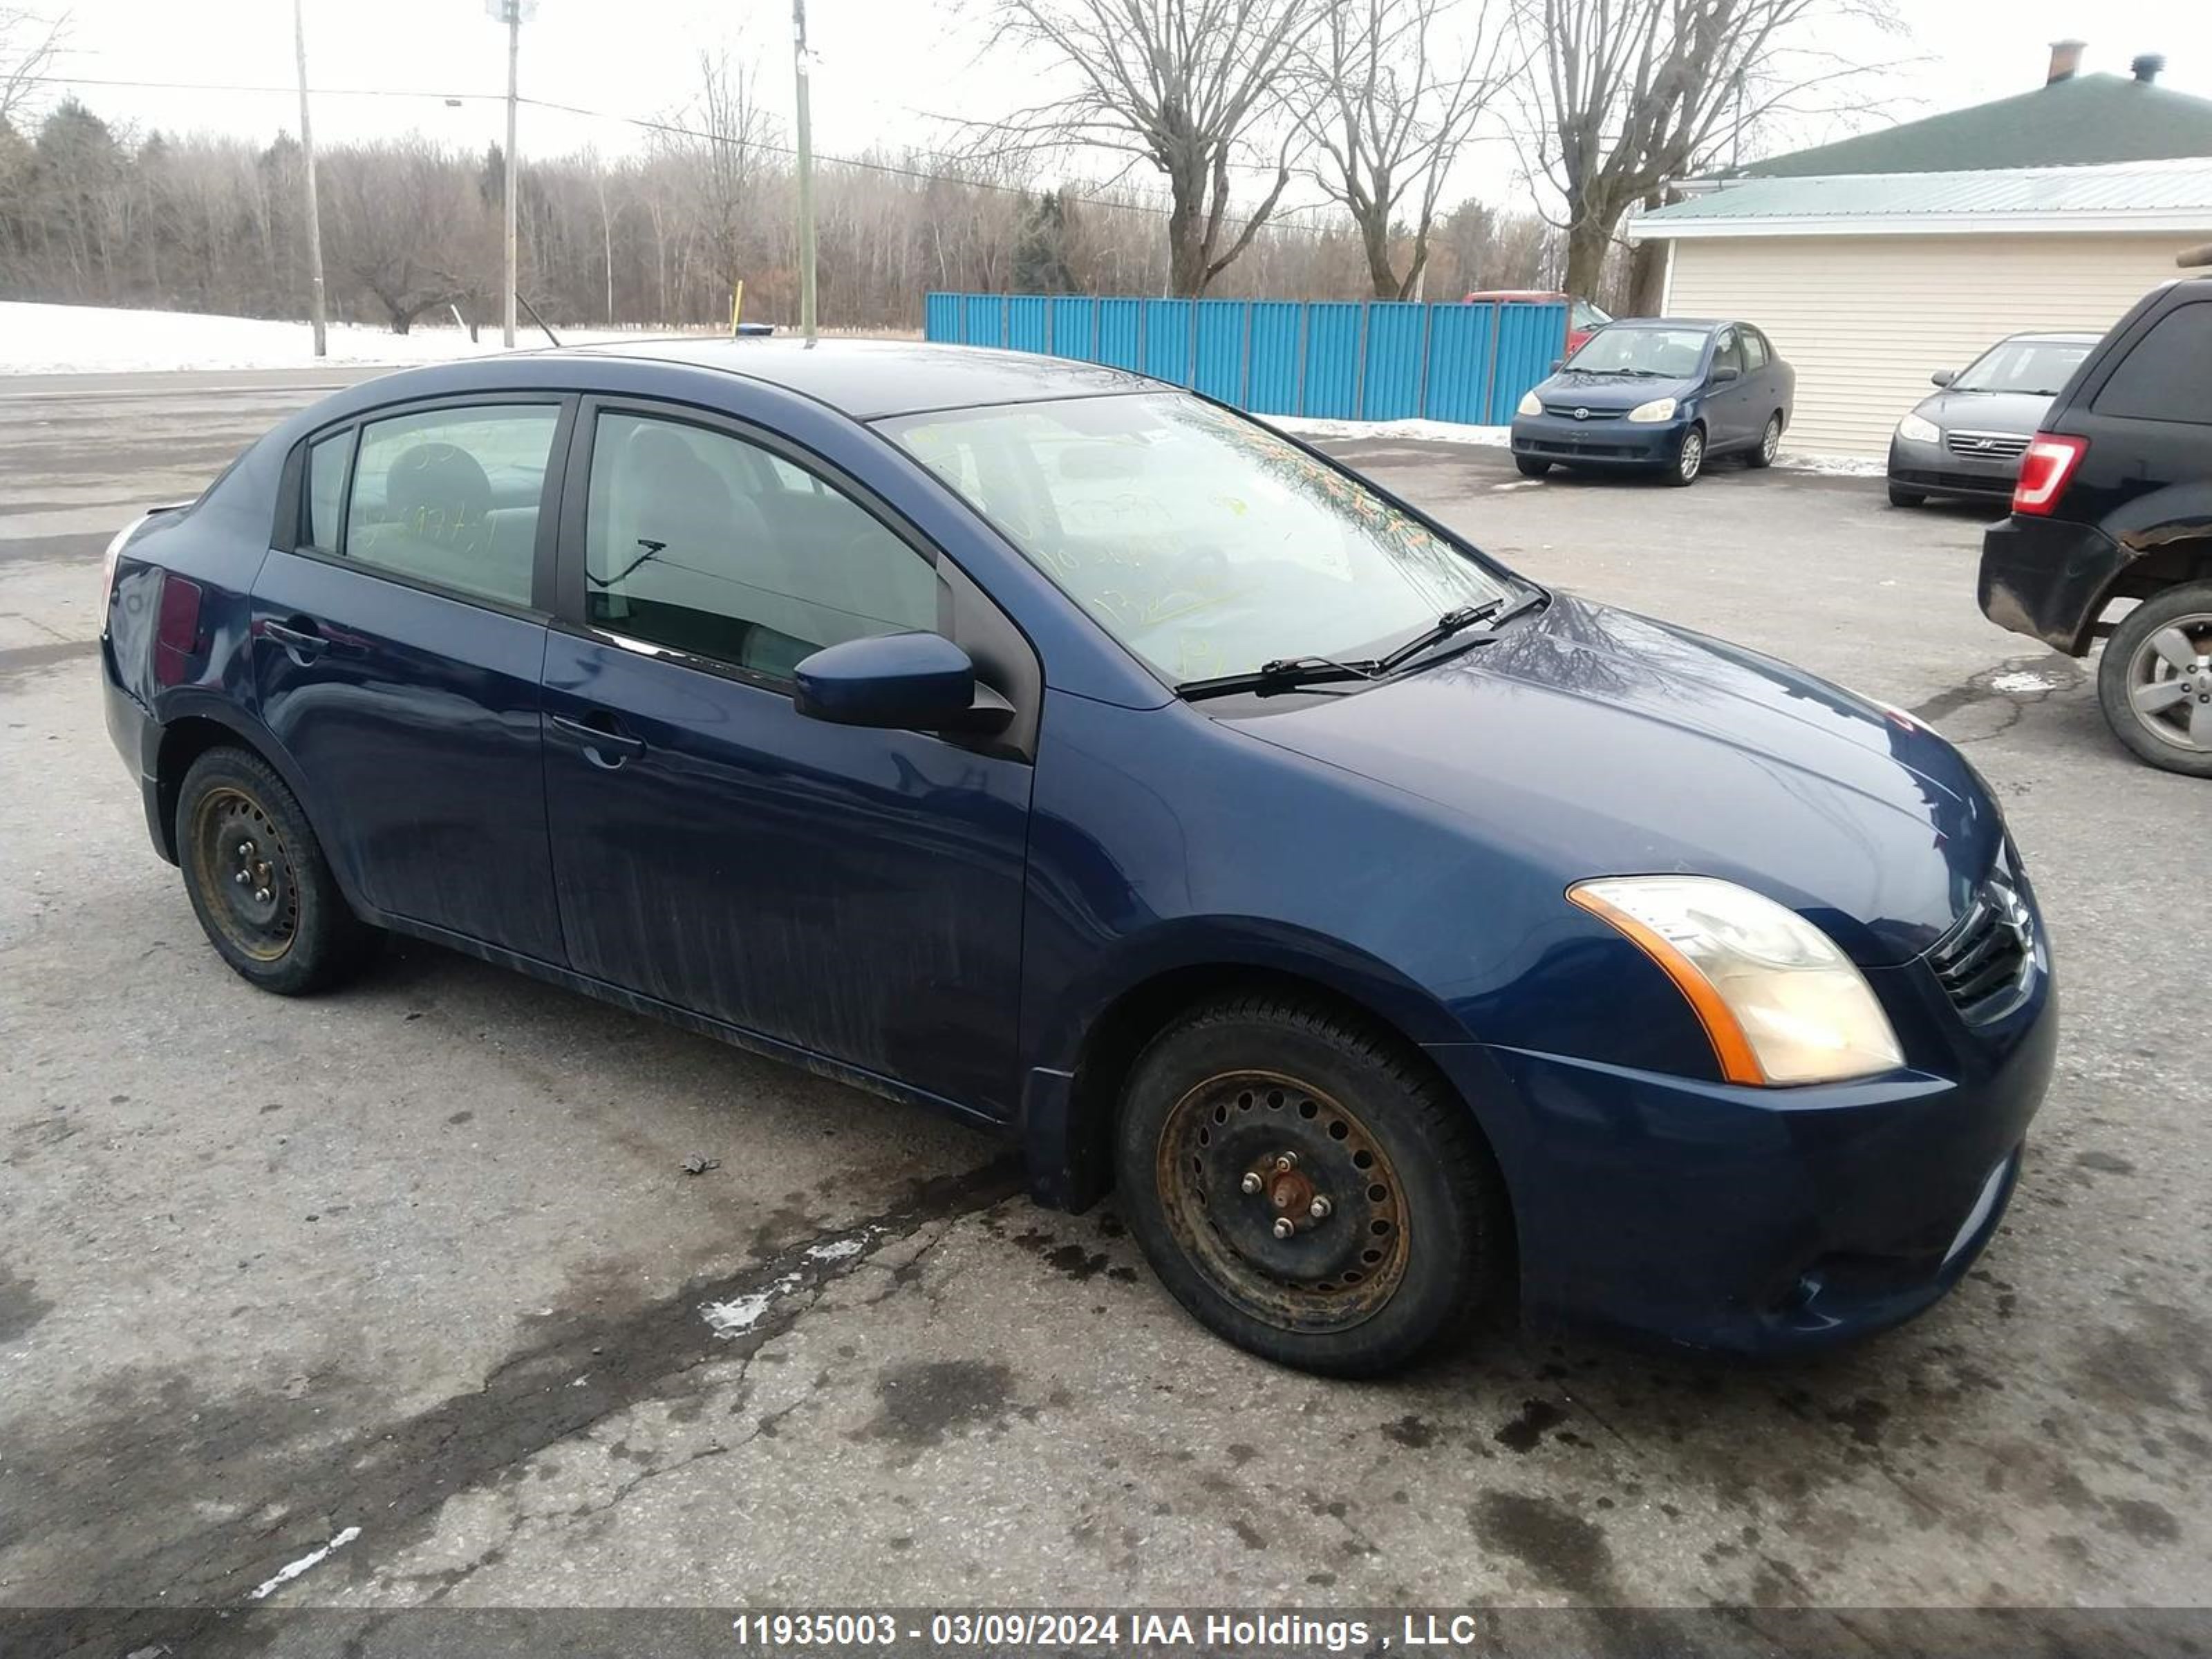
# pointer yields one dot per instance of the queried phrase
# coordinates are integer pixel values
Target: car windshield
(2041, 368)
(1628, 349)
(1200, 540)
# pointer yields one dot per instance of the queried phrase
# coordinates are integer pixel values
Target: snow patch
(836, 1250)
(1833, 466)
(741, 1313)
(2024, 680)
(47, 339)
(1435, 432)
(291, 1570)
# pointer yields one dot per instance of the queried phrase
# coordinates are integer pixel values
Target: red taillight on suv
(2050, 461)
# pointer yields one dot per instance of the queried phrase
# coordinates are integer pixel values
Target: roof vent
(2065, 58)
(2146, 66)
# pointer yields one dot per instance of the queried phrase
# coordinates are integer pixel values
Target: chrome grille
(1987, 446)
(1567, 412)
(1983, 963)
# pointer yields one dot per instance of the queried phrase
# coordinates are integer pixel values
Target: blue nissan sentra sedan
(1658, 394)
(1042, 744)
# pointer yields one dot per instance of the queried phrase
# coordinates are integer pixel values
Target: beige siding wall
(1865, 320)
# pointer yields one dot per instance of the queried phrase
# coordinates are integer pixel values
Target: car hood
(1591, 742)
(1986, 411)
(1610, 394)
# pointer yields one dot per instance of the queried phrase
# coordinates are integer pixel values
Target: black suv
(2115, 503)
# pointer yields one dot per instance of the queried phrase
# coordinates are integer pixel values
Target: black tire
(1900, 496)
(1532, 466)
(1412, 1250)
(1770, 443)
(286, 927)
(1689, 460)
(2177, 736)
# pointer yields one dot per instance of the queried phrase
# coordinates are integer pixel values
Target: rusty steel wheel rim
(246, 873)
(1284, 1200)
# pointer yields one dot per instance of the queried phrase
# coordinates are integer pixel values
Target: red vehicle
(1584, 318)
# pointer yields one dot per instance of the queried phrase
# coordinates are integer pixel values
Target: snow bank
(39, 339)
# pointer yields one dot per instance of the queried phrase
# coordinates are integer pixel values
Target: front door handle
(605, 745)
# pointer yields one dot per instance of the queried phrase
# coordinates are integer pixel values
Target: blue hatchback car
(1658, 394)
(1052, 747)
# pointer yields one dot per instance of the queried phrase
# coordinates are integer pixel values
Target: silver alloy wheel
(1693, 455)
(2169, 684)
(1770, 440)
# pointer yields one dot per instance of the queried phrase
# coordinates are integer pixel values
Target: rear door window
(1727, 354)
(2168, 375)
(1754, 350)
(450, 497)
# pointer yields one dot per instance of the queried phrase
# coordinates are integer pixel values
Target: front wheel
(1306, 1190)
(1532, 466)
(2155, 680)
(1770, 443)
(1689, 458)
(258, 880)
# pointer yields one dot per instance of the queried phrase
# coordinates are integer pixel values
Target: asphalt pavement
(414, 1274)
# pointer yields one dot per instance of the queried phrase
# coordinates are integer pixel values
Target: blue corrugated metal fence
(1375, 360)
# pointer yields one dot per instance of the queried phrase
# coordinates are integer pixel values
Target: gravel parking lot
(418, 1266)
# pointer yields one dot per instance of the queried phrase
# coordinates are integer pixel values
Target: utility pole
(805, 176)
(513, 8)
(315, 311)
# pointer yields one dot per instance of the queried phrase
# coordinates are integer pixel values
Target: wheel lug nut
(246, 849)
(1284, 1226)
(1318, 1209)
(1251, 1181)
(261, 896)
(1286, 1162)
(239, 877)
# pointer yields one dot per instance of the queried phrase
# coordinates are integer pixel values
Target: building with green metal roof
(1876, 260)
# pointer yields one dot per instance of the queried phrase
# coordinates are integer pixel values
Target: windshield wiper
(1451, 623)
(1282, 674)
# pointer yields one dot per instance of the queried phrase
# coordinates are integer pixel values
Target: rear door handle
(298, 637)
(604, 743)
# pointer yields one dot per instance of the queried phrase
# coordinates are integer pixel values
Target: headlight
(1659, 408)
(1780, 1002)
(1530, 404)
(1920, 431)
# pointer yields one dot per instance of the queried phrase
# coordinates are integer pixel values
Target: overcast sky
(883, 68)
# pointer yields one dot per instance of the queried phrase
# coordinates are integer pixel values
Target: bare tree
(28, 44)
(723, 143)
(405, 225)
(1632, 94)
(1397, 103)
(1187, 87)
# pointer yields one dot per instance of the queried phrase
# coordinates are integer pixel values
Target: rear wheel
(1689, 457)
(1900, 496)
(1306, 1189)
(1770, 443)
(2155, 680)
(1532, 466)
(258, 879)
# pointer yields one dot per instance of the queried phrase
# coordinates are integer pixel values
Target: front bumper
(1935, 470)
(1767, 1221)
(2048, 578)
(1601, 440)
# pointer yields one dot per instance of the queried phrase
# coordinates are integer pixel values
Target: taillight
(177, 638)
(2044, 469)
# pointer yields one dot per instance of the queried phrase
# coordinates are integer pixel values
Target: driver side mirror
(907, 681)
(1722, 374)
(1556, 361)
(1943, 377)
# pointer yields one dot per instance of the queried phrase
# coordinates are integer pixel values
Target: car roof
(1708, 323)
(868, 379)
(2054, 335)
